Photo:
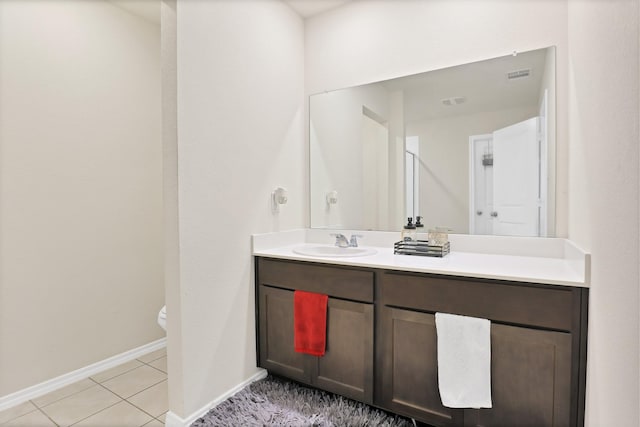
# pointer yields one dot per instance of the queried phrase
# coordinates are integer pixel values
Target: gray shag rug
(276, 402)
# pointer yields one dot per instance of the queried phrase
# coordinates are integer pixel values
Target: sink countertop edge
(516, 268)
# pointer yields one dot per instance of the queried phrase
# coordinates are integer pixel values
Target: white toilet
(162, 317)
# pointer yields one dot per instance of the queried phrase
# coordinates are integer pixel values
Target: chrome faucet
(342, 242)
(354, 240)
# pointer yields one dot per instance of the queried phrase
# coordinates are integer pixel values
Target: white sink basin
(332, 251)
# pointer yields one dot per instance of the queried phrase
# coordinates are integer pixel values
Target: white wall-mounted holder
(331, 198)
(278, 197)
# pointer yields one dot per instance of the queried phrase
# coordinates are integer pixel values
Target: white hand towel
(464, 361)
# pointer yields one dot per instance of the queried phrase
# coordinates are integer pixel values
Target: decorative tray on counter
(421, 248)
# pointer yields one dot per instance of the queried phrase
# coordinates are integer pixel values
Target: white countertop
(535, 260)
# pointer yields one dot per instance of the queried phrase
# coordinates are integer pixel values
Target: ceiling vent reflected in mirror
(456, 100)
(519, 74)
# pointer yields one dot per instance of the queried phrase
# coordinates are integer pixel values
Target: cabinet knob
(494, 214)
(478, 213)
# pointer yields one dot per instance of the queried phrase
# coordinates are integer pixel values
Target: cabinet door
(409, 367)
(530, 379)
(276, 350)
(347, 366)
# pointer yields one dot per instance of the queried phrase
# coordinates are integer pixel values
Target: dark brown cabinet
(347, 366)
(276, 335)
(531, 379)
(408, 368)
(538, 341)
(537, 349)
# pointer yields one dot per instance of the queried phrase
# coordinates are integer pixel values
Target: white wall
(548, 85)
(335, 141)
(444, 162)
(81, 195)
(240, 135)
(396, 38)
(169, 45)
(604, 214)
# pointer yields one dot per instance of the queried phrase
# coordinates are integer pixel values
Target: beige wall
(240, 135)
(604, 214)
(80, 174)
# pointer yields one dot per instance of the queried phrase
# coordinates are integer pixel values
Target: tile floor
(129, 395)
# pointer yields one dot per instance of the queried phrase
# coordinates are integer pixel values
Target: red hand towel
(310, 322)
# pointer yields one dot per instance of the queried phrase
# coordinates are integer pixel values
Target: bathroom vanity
(381, 334)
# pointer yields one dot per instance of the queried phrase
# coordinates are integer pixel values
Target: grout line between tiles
(159, 370)
(139, 408)
(103, 409)
(47, 415)
(150, 363)
(112, 392)
(116, 376)
(146, 363)
(151, 415)
(126, 398)
(63, 397)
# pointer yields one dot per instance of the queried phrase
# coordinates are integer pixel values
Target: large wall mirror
(470, 147)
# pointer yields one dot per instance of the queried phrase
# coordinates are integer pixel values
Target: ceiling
(309, 8)
(146, 9)
(483, 85)
(150, 9)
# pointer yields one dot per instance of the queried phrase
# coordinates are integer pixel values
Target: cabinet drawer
(503, 302)
(336, 282)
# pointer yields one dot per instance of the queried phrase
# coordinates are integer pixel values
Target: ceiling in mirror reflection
(415, 146)
(484, 86)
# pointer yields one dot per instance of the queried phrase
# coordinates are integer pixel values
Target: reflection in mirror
(470, 148)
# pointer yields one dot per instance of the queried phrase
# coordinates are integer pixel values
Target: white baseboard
(173, 420)
(45, 387)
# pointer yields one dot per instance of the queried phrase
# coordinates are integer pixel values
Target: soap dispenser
(419, 227)
(409, 232)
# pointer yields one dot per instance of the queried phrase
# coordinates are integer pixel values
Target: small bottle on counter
(420, 229)
(409, 232)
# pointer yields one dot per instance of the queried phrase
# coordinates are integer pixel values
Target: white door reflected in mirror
(506, 181)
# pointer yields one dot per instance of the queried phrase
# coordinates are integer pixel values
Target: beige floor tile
(163, 417)
(63, 392)
(150, 357)
(154, 400)
(16, 411)
(81, 405)
(32, 419)
(160, 364)
(135, 381)
(121, 414)
(154, 423)
(116, 370)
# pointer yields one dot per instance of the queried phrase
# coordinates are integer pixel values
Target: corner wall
(604, 197)
(240, 135)
(80, 187)
(169, 44)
